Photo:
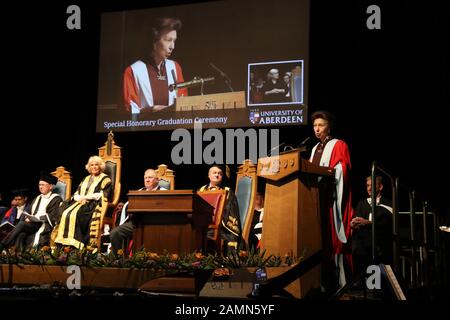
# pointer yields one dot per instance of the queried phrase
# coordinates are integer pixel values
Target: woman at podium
(149, 85)
(337, 211)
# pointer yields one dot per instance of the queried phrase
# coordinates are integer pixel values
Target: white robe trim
(144, 88)
(37, 235)
(123, 214)
(369, 201)
(339, 180)
(326, 155)
(339, 263)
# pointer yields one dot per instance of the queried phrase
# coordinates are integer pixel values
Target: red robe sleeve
(130, 91)
(180, 92)
(341, 155)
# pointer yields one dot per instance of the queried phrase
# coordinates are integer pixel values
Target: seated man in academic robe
(19, 204)
(36, 225)
(230, 231)
(362, 229)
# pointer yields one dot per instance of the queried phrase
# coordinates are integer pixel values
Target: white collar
(369, 200)
(46, 196)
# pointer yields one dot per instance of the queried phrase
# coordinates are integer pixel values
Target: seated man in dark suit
(121, 235)
(38, 221)
(362, 229)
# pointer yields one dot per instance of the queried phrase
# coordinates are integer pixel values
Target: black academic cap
(19, 192)
(51, 179)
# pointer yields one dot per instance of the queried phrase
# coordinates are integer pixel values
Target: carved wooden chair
(246, 187)
(64, 188)
(64, 185)
(217, 200)
(166, 176)
(112, 155)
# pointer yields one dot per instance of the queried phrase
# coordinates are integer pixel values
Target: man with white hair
(274, 89)
(230, 231)
(121, 236)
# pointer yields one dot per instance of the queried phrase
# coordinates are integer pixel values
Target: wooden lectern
(172, 220)
(292, 211)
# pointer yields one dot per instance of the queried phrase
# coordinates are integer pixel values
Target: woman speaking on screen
(150, 86)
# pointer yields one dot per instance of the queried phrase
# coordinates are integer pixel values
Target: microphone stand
(275, 148)
(228, 83)
(224, 76)
(201, 86)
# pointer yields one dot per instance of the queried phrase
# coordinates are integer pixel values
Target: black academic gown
(42, 236)
(231, 226)
(362, 237)
(75, 224)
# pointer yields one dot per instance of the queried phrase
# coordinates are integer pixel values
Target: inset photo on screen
(275, 83)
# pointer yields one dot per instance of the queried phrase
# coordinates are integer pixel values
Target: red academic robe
(341, 155)
(133, 92)
(337, 156)
(337, 245)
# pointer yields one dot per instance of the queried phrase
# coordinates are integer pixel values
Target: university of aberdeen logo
(254, 116)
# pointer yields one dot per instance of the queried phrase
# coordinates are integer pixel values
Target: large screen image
(222, 64)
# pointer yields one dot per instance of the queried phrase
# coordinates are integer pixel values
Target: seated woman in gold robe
(80, 213)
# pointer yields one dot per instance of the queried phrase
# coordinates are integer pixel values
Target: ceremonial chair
(217, 200)
(246, 186)
(64, 188)
(64, 185)
(112, 155)
(166, 176)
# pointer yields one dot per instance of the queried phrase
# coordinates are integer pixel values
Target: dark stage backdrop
(388, 89)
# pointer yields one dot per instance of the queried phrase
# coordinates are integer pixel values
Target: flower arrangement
(88, 257)
(142, 259)
(256, 258)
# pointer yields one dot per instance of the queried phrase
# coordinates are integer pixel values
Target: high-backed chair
(216, 199)
(112, 155)
(166, 176)
(246, 186)
(64, 188)
(64, 185)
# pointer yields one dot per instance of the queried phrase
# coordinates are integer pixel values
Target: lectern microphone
(304, 142)
(193, 83)
(276, 148)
